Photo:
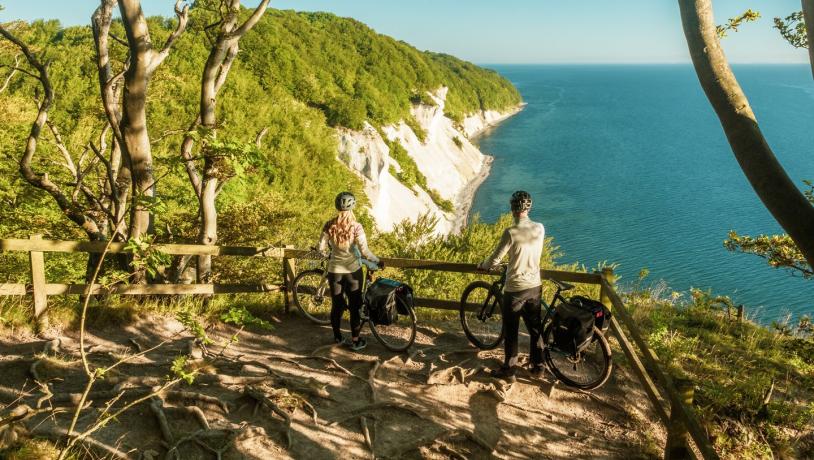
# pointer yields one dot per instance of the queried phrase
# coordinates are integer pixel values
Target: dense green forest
(297, 74)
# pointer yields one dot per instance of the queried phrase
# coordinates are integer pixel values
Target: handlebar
(499, 269)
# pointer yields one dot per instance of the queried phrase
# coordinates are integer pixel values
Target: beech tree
(207, 179)
(787, 204)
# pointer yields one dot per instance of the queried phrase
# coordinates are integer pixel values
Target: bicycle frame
(497, 290)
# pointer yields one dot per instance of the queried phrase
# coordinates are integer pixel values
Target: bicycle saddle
(563, 285)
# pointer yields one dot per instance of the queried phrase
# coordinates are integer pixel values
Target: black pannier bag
(601, 313)
(573, 328)
(381, 298)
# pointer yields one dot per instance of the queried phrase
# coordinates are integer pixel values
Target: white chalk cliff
(453, 171)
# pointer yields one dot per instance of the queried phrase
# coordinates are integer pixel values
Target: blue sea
(629, 165)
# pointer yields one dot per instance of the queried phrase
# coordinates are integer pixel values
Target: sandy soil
(434, 402)
(466, 197)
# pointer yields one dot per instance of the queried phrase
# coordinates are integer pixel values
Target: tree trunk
(218, 64)
(808, 17)
(134, 115)
(768, 178)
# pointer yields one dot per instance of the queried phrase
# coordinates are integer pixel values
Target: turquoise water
(628, 164)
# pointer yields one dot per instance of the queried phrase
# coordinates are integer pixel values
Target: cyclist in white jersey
(523, 243)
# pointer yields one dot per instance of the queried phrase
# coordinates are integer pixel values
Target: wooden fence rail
(677, 415)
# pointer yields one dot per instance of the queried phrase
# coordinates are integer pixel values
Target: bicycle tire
(393, 336)
(310, 293)
(559, 371)
(487, 333)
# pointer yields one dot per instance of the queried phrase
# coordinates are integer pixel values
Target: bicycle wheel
(400, 334)
(587, 370)
(312, 297)
(480, 315)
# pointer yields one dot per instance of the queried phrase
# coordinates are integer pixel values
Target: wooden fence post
(740, 313)
(38, 286)
(289, 272)
(607, 273)
(677, 439)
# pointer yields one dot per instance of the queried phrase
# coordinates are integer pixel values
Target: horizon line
(633, 63)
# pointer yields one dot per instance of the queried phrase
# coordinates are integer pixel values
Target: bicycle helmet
(345, 201)
(521, 201)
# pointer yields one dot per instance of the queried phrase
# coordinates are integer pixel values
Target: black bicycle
(481, 319)
(312, 296)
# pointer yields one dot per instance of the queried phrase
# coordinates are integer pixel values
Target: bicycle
(312, 297)
(480, 313)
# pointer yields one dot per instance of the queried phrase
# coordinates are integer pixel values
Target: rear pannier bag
(601, 313)
(381, 298)
(573, 328)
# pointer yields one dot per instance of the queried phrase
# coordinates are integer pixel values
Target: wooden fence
(671, 399)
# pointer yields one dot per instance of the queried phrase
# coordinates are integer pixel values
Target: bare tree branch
(108, 83)
(14, 70)
(182, 13)
(253, 19)
(42, 181)
(258, 140)
(771, 183)
(60, 145)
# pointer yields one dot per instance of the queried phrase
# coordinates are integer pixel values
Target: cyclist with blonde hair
(346, 239)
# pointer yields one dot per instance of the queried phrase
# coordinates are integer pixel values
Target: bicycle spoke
(480, 316)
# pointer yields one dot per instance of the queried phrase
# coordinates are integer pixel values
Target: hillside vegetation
(298, 74)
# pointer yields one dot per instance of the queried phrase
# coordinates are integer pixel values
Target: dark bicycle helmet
(521, 201)
(345, 201)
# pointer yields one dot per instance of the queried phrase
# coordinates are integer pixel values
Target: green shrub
(458, 142)
(733, 364)
(420, 133)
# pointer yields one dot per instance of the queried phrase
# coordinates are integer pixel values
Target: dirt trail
(435, 402)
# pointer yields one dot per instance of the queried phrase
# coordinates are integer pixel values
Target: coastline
(466, 197)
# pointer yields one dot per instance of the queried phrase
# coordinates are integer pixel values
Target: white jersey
(523, 242)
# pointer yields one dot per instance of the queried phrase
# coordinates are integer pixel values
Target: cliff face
(452, 165)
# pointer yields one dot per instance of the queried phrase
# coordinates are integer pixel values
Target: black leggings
(525, 304)
(349, 284)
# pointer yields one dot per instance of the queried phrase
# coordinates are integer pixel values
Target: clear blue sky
(514, 31)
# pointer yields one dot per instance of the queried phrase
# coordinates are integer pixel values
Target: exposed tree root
(46, 395)
(193, 396)
(527, 409)
(319, 350)
(33, 370)
(198, 414)
(418, 351)
(446, 376)
(452, 453)
(261, 397)
(52, 347)
(380, 405)
(58, 434)
(230, 379)
(23, 412)
(157, 407)
(459, 351)
(312, 409)
(366, 434)
(445, 434)
(135, 344)
(199, 437)
(371, 379)
(599, 400)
